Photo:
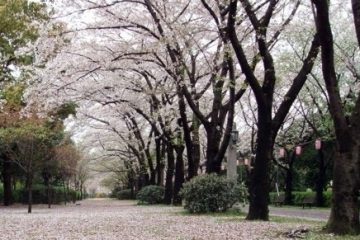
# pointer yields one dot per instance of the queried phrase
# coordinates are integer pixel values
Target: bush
(40, 195)
(124, 194)
(151, 194)
(211, 193)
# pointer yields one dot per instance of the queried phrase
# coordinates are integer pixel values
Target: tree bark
(48, 191)
(169, 174)
(179, 174)
(30, 197)
(289, 180)
(344, 217)
(160, 153)
(6, 173)
(212, 148)
(260, 174)
(320, 181)
(196, 147)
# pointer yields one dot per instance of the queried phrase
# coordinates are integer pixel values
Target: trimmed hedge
(40, 195)
(211, 193)
(298, 197)
(151, 194)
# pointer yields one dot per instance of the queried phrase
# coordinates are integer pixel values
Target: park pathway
(112, 219)
(298, 212)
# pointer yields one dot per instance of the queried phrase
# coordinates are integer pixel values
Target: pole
(231, 170)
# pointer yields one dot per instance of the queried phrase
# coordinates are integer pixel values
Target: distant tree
(67, 157)
(28, 145)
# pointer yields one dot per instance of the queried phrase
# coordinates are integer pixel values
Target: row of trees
(33, 149)
(159, 85)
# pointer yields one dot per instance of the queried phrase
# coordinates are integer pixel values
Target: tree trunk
(6, 173)
(289, 180)
(81, 191)
(183, 122)
(169, 174)
(179, 174)
(160, 152)
(196, 147)
(48, 192)
(212, 148)
(65, 193)
(30, 198)
(320, 181)
(260, 174)
(344, 217)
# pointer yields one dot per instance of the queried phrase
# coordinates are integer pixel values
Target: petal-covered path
(112, 219)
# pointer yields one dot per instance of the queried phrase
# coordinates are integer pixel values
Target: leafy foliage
(151, 194)
(124, 194)
(211, 193)
(19, 24)
(298, 197)
(40, 194)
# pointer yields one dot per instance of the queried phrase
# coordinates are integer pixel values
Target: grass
(319, 235)
(233, 212)
(282, 219)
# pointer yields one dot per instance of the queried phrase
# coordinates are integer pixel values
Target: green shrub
(124, 194)
(151, 194)
(328, 196)
(40, 195)
(211, 193)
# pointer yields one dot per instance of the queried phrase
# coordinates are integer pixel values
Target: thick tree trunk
(320, 181)
(260, 174)
(179, 174)
(6, 173)
(344, 217)
(212, 148)
(169, 174)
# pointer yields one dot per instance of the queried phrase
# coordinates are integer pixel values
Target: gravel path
(111, 219)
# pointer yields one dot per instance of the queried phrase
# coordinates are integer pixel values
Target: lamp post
(231, 169)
